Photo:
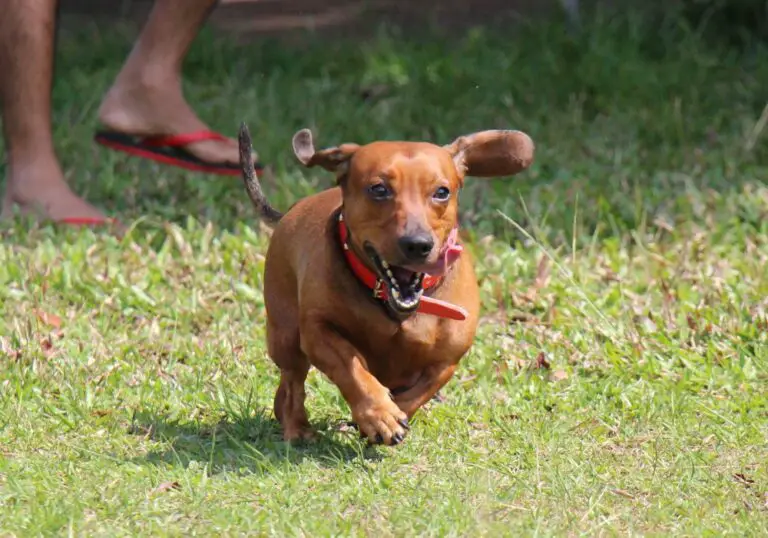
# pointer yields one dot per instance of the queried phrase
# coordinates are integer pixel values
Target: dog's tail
(267, 213)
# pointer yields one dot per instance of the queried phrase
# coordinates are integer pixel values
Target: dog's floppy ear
(333, 159)
(492, 153)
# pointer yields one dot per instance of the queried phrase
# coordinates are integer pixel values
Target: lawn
(619, 381)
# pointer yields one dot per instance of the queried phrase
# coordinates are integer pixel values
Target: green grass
(631, 259)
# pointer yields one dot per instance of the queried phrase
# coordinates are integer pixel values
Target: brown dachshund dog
(367, 281)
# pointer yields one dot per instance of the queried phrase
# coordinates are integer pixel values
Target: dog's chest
(418, 340)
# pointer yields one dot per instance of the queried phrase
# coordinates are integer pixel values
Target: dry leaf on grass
(559, 375)
(47, 346)
(741, 478)
(541, 362)
(166, 486)
(49, 319)
(347, 426)
(622, 493)
(542, 273)
(540, 282)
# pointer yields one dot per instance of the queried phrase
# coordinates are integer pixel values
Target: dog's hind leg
(289, 407)
(289, 404)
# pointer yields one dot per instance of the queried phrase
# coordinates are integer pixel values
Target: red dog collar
(427, 305)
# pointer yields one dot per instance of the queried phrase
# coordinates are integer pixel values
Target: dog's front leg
(377, 416)
(430, 381)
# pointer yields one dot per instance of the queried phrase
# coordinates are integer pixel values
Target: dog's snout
(416, 247)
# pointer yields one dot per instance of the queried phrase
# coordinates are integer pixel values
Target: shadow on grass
(246, 444)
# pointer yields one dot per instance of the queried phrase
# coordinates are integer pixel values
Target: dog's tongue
(452, 250)
(448, 255)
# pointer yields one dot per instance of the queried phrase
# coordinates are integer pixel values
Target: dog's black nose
(416, 247)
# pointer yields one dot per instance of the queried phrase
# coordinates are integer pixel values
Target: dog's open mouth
(404, 287)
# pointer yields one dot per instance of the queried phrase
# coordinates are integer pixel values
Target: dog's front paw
(381, 422)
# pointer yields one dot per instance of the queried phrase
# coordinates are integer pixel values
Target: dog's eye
(379, 191)
(442, 194)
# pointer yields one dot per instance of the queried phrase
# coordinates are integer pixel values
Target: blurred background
(642, 111)
(361, 17)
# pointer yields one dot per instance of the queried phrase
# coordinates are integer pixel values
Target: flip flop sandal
(170, 150)
(87, 221)
(115, 226)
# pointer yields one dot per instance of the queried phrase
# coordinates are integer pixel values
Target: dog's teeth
(389, 274)
(386, 266)
(408, 297)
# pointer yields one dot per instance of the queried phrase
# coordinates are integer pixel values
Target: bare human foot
(157, 108)
(35, 183)
(38, 187)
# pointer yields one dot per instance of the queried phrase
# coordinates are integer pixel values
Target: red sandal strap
(86, 221)
(184, 139)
